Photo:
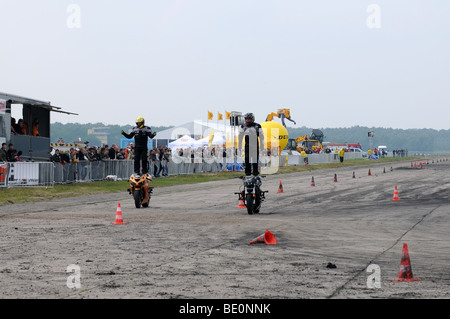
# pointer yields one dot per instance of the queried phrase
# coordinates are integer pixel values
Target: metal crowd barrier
(86, 171)
(316, 158)
(185, 166)
(27, 174)
(47, 174)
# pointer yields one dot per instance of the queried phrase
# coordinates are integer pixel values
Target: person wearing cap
(141, 134)
(342, 154)
(305, 157)
(249, 133)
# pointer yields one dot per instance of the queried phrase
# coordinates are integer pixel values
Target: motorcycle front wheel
(249, 203)
(137, 198)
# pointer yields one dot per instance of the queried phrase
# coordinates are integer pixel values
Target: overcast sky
(334, 63)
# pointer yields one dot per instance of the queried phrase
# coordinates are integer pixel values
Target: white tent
(218, 139)
(196, 129)
(183, 142)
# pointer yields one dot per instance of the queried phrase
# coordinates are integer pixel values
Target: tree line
(75, 132)
(422, 140)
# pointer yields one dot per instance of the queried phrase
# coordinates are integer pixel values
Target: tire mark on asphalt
(339, 289)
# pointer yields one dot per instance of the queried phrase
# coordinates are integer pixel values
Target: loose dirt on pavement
(193, 241)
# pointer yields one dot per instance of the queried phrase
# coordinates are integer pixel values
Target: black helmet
(250, 116)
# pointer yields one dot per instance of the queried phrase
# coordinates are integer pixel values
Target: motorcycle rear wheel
(257, 203)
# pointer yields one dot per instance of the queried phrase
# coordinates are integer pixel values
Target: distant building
(101, 133)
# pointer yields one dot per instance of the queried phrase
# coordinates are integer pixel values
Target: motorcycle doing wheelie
(252, 195)
(140, 189)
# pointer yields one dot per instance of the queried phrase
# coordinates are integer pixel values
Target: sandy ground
(193, 241)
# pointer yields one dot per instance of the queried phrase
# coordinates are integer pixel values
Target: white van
(382, 150)
(358, 150)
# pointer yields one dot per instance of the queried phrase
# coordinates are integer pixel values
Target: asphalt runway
(193, 241)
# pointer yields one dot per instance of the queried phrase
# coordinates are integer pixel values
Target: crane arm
(270, 116)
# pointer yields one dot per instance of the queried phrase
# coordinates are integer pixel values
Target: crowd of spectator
(202, 152)
(399, 152)
(158, 157)
(9, 154)
(22, 128)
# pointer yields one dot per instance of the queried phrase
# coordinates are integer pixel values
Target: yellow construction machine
(309, 144)
(282, 114)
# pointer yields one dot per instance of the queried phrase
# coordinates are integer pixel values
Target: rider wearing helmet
(141, 133)
(251, 131)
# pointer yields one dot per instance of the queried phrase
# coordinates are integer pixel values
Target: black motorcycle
(252, 195)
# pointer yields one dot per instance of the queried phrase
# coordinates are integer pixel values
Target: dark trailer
(34, 147)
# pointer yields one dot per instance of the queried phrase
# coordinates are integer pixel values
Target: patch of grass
(346, 163)
(34, 194)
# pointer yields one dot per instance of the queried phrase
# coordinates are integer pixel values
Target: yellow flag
(210, 115)
(220, 117)
(228, 114)
(211, 137)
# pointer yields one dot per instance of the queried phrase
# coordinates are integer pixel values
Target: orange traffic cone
(312, 182)
(405, 273)
(369, 174)
(335, 178)
(241, 204)
(119, 220)
(268, 238)
(280, 188)
(396, 198)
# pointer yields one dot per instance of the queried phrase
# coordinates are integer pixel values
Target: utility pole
(371, 134)
(236, 120)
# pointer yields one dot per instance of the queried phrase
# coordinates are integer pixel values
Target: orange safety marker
(268, 238)
(280, 188)
(405, 273)
(119, 219)
(241, 204)
(396, 198)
